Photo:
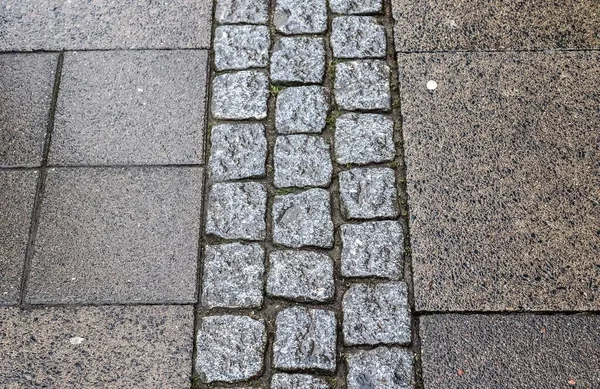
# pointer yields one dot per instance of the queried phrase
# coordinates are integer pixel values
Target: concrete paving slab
(503, 179)
(510, 351)
(96, 347)
(117, 236)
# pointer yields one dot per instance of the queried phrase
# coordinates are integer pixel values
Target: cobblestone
(368, 193)
(380, 368)
(301, 110)
(242, 11)
(241, 47)
(297, 381)
(300, 17)
(356, 6)
(362, 85)
(301, 160)
(240, 95)
(357, 37)
(364, 138)
(298, 59)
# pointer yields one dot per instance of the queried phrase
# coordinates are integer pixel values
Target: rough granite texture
(230, 348)
(380, 368)
(298, 59)
(242, 11)
(510, 351)
(301, 110)
(357, 37)
(364, 138)
(297, 381)
(96, 347)
(301, 160)
(241, 47)
(305, 339)
(368, 193)
(240, 95)
(362, 85)
(300, 17)
(356, 6)
(237, 210)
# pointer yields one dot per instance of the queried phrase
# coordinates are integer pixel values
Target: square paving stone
(376, 314)
(372, 249)
(300, 275)
(356, 6)
(233, 276)
(240, 95)
(503, 180)
(300, 60)
(301, 160)
(237, 210)
(130, 107)
(300, 17)
(237, 151)
(297, 381)
(380, 368)
(17, 194)
(364, 138)
(26, 84)
(97, 347)
(305, 339)
(362, 85)
(230, 348)
(117, 235)
(241, 47)
(368, 193)
(242, 11)
(510, 351)
(303, 219)
(357, 37)
(105, 25)
(301, 110)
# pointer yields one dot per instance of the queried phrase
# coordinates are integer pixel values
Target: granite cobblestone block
(380, 368)
(364, 138)
(297, 381)
(240, 95)
(356, 6)
(298, 60)
(368, 193)
(301, 110)
(242, 11)
(357, 37)
(300, 17)
(241, 47)
(301, 161)
(362, 85)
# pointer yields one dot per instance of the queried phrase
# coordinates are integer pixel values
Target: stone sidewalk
(299, 194)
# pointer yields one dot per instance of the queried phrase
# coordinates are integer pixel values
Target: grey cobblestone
(368, 193)
(357, 37)
(240, 95)
(380, 368)
(297, 381)
(300, 17)
(364, 138)
(242, 11)
(362, 85)
(356, 6)
(301, 110)
(298, 59)
(301, 160)
(241, 47)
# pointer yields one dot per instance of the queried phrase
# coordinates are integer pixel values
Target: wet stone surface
(368, 193)
(301, 110)
(297, 381)
(301, 160)
(241, 47)
(380, 368)
(240, 95)
(242, 11)
(357, 37)
(362, 85)
(298, 60)
(364, 138)
(356, 6)
(300, 17)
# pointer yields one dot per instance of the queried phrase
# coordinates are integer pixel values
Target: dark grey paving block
(514, 351)
(503, 179)
(130, 107)
(117, 235)
(496, 25)
(17, 193)
(97, 347)
(26, 83)
(77, 25)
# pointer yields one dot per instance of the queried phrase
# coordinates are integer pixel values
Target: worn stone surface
(233, 276)
(356, 6)
(364, 138)
(367, 193)
(300, 17)
(130, 107)
(240, 95)
(305, 339)
(242, 11)
(96, 347)
(301, 110)
(297, 381)
(372, 249)
(230, 348)
(362, 85)
(516, 351)
(301, 160)
(241, 47)
(237, 210)
(300, 275)
(357, 37)
(380, 368)
(298, 59)
(237, 151)
(507, 167)
(303, 219)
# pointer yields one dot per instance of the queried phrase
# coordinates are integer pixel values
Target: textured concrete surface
(515, 351)
(503, 179)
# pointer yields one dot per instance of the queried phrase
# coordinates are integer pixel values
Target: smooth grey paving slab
(301, 161)
(26, 84)
(357, 37)
(356, 6)
(380, 368)
(297, 381)
(362, 85)
(301, 109)
(513, 351)
(298, 60)
(17, 193)
(242, 11)
(117, 235)
(96, 347)
(130, 107)
(241, 47)
(364, 138)
(104, 25)
(503, 179)
(300, 17)
(240, 95)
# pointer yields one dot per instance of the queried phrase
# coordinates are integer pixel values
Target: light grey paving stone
(357, 37)
(117, 235)
(301, 160)
(97, 347)
(242, 11)
(230, 348)
(301, 110)
(240, 95)
(364, 138)
(17, 193)
(300, 275)
(356, 6)
(376, 314)
(362, 85)
(368, 193)
(241, 47)
(237, 210)
(305, 339)
(237, 151)
(297, 381)
(130, 107)
(298, 59)
(26, 83)
(303, 219)
(372, 249)
(233, 276)
(380, 368)
(300, 17)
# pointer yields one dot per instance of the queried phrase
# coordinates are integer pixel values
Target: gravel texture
(368, 193)
(301, 110)
(380, 368)
(362, 85)
(241, 47)
(300, 17)
(242, 11)
(357, 37)
(301, 160)
(298, 60)
(240, 95)
(364, 138)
